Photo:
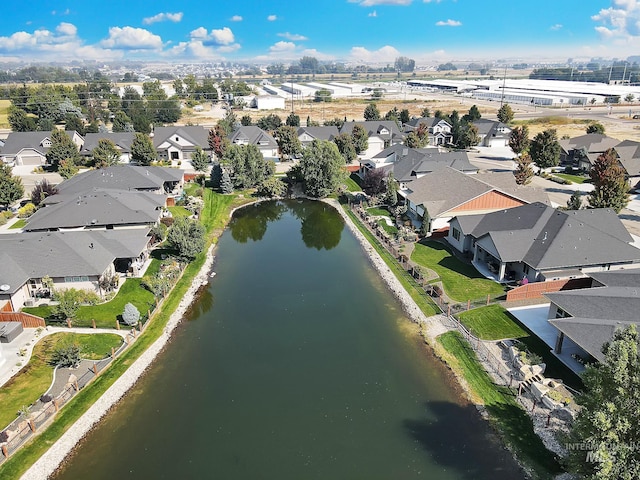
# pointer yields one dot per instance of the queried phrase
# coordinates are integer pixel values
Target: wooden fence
(536, 290)
(27, 320)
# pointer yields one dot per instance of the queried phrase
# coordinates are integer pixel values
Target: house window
(525, 269)
(455, 233)
(560, 313)
(177, 139)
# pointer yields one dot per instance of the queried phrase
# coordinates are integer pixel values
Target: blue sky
(372, 31)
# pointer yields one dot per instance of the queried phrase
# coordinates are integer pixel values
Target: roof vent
(4, 287)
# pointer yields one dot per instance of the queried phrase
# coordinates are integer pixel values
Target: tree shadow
(444, 436)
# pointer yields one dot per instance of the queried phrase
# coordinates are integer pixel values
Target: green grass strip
(491, 323)
(418, 294)
(506, 415)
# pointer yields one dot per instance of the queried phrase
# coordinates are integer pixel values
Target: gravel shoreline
(53, 458)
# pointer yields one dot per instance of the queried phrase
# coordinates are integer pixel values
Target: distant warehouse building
(268, 102)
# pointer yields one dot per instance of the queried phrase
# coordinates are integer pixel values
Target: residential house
(408, 164)
(492, 133)
(629, 157)
(583, 150)
(538, 243)
(98, 209)
(71, 259)
(252, 135)
(121, 140)
(590, 316)
(382, 134)
(446, 193)
(30, 148)
(307, 135)
(178, 143)
(439, 130)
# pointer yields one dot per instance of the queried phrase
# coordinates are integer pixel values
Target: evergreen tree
(11, 188)
(611, 189)
(360, 139)
(226, 186)
(391, 197)
(142, 150)
(523, 172)
(216, 175)
(121, 123)
(519, 139)
(575, 201)
(595, 127)
(105, 154)
(20, 121)
(293, 120)
(62, 149)
(371, 112)
(505, 113)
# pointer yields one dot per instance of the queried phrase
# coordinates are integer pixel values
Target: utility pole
(504, 81)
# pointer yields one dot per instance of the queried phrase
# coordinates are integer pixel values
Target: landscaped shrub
(68, 356)
(27, 210)
(168, 221)
(131, 315)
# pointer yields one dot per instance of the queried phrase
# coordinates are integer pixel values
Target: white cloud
(384, 54)
(373, 14)
(371, 3)
(556, 27)
(67, 29)
(64, 12)
(621, 20)
(312, 52)
(272, 18)
(222, 36)
(294, 37)
(448, 23)
(130, 38)
(162, 17)
(236, 18)
(280, 47)
(431, 1)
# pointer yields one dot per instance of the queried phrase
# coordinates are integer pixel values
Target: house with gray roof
(439, 130)
(76, 259)
(177, 144)
(590, 316)
(382, 134)
(492, 133)
(628, 152)
(98, 209)
(121, 140)
(30, 148)
(409, 164)
(537, 242)
(446, 193)
(160, 180)
(307, 135)
(252, 135)
(583, 150)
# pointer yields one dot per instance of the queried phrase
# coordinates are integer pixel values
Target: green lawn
(32, 381)
(377, 211)
(352, 185)
(572, 178)
(105, 314)
(178, 212)
(19, 224)
(460, 280)
(491, 323)
(512, 423)
(390, 229)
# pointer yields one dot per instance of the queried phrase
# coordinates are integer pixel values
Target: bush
(131, 315)
(168, 221)
(68, 357)
(159, 232)
(27, 210)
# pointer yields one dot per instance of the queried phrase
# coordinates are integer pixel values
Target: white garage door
(30, 160)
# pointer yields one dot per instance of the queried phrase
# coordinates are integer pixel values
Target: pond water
(294, 363)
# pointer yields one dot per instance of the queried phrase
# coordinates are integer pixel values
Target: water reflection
(250, 223)
(321, 228)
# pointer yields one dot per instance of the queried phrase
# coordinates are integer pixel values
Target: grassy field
(460, 280)
(4, 113)
(491, 323)
(352, 185)
(19, 224)
(178, 212)
(512, 423)
(572, 178)
(378, 211)
(33, 380)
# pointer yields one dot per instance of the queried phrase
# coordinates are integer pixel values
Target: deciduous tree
(344, 142)
(42, 190)
(288, 141)
(105, 154)
(62, 149)
(360, 138)
(595, 127)
(321, 168)
(611, 189)
(575, 201)
(187, 237)
(604, 435)
(218, 141)
(374, 182)
(199, 160)
(545, 149)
